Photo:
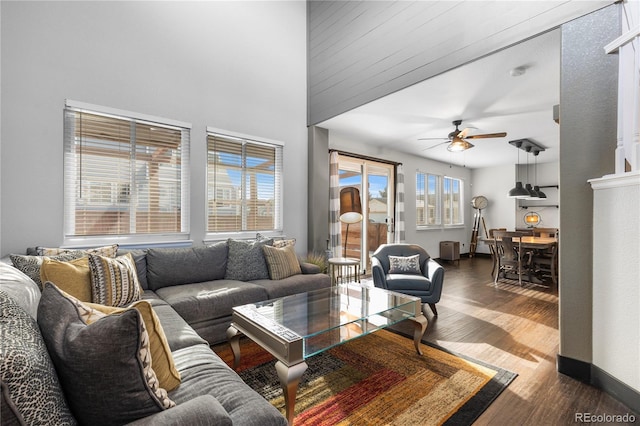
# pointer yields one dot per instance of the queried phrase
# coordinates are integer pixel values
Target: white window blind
(243, 184)
(453, 214)
(438, 200)
(124, 175)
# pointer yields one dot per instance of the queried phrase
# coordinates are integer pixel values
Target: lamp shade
(532, 219)
(350, 206)
(540, 193)
(518, 191)
(459, 145)
(532, 193)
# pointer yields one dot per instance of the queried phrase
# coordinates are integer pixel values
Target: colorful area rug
(378, 379)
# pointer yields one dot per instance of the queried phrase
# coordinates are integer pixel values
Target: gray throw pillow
(104, 367)
(405, 265)
(246, 260)
(26, 369)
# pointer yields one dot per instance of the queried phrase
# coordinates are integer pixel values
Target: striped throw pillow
(282, 262)
(114, 281)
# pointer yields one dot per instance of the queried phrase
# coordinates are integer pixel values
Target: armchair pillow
(105, 366)
(405, 265)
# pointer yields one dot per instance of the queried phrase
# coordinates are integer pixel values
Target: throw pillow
(162, 360)
(108, 251)
(105, 366)
(282, 262)
(246, 260)
(114, 281)
(27, 370)
(404, 264)
(284, 243)
(30, 265)
(22, 289)
(72, 277)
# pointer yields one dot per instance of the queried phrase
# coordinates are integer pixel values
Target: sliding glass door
(375, 182)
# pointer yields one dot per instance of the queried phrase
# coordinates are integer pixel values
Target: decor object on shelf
(532, 219)
(350, 209)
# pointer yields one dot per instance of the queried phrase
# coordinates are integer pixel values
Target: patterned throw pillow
(404, 264)
(26, 368)
(284, 243)
(282, 262)
(162, 360)
(108, 251)
(73, 277)
(30, 265)
(246, 260)
(114, 281)
(113, 382)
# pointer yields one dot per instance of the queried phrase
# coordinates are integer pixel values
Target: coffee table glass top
(324, 318)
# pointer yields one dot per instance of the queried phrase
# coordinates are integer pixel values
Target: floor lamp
(350, 209)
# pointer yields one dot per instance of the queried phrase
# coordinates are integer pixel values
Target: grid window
(438, 200)
(123, 175)
(243, 184)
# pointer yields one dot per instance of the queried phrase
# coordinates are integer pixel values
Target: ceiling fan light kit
(457, 139)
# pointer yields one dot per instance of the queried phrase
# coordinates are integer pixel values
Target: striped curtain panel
(334, 206)
(399, 236)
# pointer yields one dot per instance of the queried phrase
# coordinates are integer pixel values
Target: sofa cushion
(162, 361)
(140, 258)
(30, 265)
(167, 267)
(294, 284)
(246, 260)
(211, 299)
(22, 289)
(26, 369)
(73, 277)
(110, 358)
(203, 372)
(281, 262)
(114, 281)
(179, 334)
(404, 264)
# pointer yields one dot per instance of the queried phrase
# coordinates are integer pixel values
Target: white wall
(429, 239)
(616, 277)
(239, 66)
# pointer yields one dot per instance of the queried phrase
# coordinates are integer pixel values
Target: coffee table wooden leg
(233, 336)
(289, 380)
(420, 322)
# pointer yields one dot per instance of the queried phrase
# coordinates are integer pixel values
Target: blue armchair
(425, 283)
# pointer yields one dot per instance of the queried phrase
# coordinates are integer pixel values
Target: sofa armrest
(379, 276)
(203, 410)
(435, 274)
(309, 268)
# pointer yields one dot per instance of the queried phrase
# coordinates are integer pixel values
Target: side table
(344, 270)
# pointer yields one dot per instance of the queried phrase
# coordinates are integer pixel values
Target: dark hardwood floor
(517, 329)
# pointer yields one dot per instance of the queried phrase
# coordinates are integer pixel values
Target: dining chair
(510, 256)
(544, 264)
(493, 249)
(545, 232)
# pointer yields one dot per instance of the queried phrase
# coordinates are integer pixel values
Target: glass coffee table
(297, 327)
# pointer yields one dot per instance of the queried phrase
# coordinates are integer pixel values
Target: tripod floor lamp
(350, 209)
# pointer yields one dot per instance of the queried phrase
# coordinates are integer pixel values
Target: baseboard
(574, 368)
(614, 387)
(595, 376)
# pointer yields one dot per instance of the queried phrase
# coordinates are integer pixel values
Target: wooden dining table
(528, 242)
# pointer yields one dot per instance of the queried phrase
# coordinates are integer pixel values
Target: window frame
(70, 239)
(440, 196)
(211, 236)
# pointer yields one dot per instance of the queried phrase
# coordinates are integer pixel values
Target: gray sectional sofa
(192, 291)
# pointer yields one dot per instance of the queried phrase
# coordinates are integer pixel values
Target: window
(243, 184)
(438, 200)
(125, 175)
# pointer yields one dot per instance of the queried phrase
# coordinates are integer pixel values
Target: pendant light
(518, 191)
(533, 194)
(541, 195)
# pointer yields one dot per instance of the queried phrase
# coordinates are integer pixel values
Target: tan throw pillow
(162, 360)
(284, 243)
(114, 281)
(72, 277)
(282, 262)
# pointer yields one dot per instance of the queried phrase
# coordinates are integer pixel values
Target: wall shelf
(533, 206)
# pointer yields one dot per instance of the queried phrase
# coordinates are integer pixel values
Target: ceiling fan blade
(463, 133)
(433, 146)
(431, 139)
(487, 136)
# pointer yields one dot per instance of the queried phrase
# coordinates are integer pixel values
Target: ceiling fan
(457, 139)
